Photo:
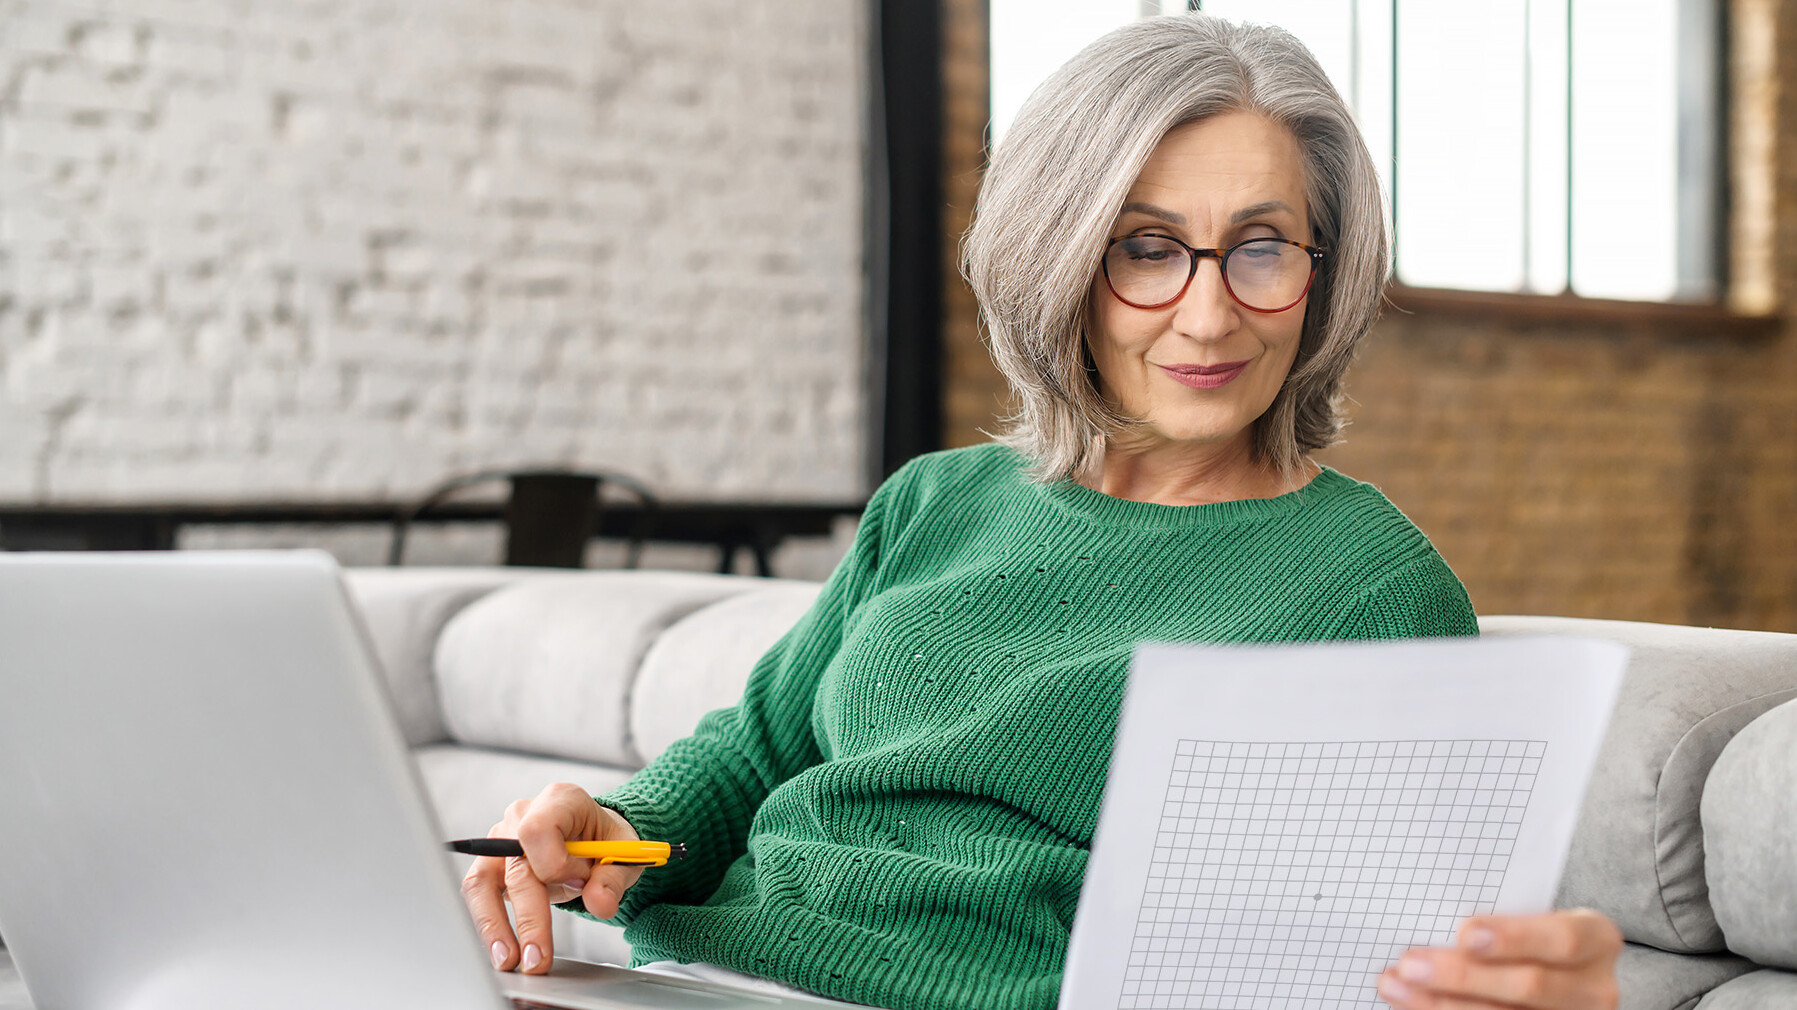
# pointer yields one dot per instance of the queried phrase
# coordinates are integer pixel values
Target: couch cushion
(404, 610)
(1637, 854)
(1750, 839)
(1766, 989)
(548, 667)
(701, 662)
(1651, 979)
(470, 787)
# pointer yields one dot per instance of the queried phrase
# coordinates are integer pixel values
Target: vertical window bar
(1698, 146)
(1721, 212)
(1395, 60)
(1569, 139)
(1528, 136)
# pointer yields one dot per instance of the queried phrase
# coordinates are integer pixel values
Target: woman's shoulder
(951, 472)
(1405, 586)
(959, 464)
(947, 492)
(1363, 518)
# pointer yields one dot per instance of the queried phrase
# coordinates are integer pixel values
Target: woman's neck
(1168, 473)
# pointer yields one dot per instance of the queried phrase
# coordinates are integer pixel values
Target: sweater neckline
(1075, 497)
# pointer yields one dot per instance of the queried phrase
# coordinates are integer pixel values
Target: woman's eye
(1150, 249)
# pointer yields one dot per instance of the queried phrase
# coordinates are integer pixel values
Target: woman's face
(1202, 369)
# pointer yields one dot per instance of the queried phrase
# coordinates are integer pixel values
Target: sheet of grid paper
(1281, 823)
(1295, 871)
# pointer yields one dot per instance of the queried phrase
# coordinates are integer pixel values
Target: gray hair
(1059, 178)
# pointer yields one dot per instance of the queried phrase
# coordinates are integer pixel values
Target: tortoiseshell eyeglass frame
(1222, 257)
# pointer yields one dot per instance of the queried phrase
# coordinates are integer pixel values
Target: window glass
(1031, 38)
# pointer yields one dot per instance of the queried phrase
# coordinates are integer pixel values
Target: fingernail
(574, 882)
(532, 957)
(1480, 939)
(1393, 989)
(499, 953)
(1415, 969)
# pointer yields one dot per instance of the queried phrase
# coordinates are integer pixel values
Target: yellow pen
(619, 853)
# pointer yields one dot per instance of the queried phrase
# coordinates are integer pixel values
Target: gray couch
(505, 681)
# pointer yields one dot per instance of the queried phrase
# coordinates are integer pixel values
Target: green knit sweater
(899, 810)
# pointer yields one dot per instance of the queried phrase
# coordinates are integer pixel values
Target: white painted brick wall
(318, 249)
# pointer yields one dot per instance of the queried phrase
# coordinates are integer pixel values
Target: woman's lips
(1204, 376)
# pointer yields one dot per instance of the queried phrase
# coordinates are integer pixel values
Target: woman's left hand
(1559, 961)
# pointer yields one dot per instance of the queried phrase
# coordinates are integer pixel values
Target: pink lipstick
(1204, 376)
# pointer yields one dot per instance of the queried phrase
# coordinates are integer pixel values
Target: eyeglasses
(1261, 274)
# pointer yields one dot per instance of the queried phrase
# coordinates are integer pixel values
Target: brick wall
(341, 248)
(974, 393)
(1579, 469)
(1626, 468)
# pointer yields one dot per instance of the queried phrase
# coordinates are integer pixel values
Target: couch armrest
(1750, 838)
(1638, 854)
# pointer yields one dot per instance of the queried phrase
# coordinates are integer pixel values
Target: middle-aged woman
(1177, 246)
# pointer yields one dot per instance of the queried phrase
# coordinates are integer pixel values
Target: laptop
(205, 802)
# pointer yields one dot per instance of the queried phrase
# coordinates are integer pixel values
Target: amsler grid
(1288, 875)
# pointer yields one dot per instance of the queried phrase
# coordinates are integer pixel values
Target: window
(1540, 146)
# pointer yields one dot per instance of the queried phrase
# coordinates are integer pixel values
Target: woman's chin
(1204, 433)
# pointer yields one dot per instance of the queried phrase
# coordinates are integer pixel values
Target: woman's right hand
(545, 874)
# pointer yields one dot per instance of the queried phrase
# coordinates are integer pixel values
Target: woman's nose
(1206, 311)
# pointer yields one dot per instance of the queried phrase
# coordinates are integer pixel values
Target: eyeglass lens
(1152, 270)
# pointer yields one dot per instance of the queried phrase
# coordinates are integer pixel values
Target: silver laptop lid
(203, 798)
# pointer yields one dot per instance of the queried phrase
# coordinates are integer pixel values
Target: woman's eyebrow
(1256, 210)
(1152, 211)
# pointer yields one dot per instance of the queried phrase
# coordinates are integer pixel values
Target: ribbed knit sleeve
(704, 790)
(1420, 599)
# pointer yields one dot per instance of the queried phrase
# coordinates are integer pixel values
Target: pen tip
(677, 850)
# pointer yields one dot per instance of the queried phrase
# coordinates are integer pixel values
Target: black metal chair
(550, 515)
